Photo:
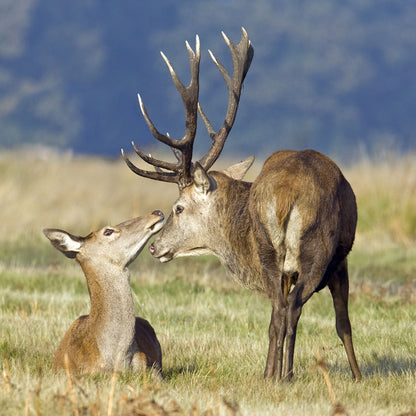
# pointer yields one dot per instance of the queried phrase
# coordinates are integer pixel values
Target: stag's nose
(152, 249)
(158, 212)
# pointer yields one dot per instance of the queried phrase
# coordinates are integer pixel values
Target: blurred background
(337, 76)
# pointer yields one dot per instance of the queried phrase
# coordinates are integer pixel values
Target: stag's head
(190, 223)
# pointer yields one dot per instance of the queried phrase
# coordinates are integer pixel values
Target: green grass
(214, 339)
(213, 333)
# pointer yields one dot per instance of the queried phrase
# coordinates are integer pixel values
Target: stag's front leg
(338, 285)
(277, 327)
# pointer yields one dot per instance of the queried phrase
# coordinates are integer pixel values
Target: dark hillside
(328, 75)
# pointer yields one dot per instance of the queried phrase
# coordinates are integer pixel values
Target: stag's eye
(108, 232)
(179, 209)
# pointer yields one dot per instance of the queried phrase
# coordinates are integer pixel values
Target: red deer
(110, 337)
(287, 234)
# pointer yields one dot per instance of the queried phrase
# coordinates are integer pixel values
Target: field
(213, 333)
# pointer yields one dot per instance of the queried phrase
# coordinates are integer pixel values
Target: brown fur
(110, 337)
(287, 235)
(79, 348)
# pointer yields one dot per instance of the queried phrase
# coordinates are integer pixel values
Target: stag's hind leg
(295, 301)
(277, 328)
(339, 287)
(277, 333)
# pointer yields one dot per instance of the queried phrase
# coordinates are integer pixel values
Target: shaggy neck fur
(236, 246)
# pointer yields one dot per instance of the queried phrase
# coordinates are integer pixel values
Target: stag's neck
(235, 246)
(112, 317)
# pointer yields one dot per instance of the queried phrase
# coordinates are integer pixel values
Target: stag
(287, 234)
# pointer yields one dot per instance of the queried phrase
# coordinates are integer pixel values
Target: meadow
(214, 334)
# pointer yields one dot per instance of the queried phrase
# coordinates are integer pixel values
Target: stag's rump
(303, 208)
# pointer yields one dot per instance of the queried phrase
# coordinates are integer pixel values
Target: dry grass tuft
(150, 400)
(337, 408)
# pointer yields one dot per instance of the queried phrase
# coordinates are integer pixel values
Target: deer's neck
(112, 317)
(235, 246)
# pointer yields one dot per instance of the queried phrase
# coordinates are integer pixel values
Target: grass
(214, 339)
(386, 195)
(213, 333)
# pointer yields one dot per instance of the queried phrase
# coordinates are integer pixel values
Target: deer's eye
(108, 232)
(179, 209)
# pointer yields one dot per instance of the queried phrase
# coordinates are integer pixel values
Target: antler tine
(194, 57)
(176, 152)
(208, 125)
(179, 86)
(155, 132)
(241, 55)
(155, 162)
(157, 175)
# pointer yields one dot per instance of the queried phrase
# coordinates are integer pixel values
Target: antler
(180, 172)
(242, 55)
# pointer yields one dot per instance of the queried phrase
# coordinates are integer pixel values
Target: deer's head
(192, 217)
(116, 245)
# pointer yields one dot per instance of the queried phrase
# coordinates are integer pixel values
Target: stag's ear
(238, 170)
(201, 179)
(64, 242)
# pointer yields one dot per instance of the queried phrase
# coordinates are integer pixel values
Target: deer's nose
(158, 212)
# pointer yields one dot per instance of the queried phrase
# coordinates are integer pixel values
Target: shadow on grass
(173, 372)
(385, 365)
(381, 365)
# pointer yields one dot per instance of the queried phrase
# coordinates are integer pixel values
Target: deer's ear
(64, 242)
(238, 170)
(201, 179)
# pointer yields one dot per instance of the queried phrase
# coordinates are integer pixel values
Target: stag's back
(302, 209)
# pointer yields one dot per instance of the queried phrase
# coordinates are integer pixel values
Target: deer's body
(274, 220)
(287, 234)
(111, 337)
